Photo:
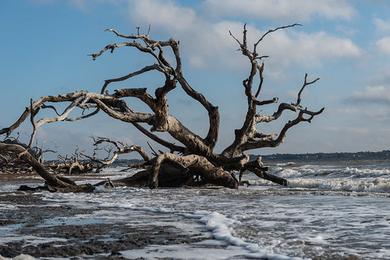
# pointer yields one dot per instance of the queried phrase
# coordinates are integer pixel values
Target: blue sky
(44, 46)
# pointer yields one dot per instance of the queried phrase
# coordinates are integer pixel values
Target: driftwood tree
(192, 160)
(80, 162)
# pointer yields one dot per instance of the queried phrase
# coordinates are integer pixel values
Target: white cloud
(309, 48)
(207, 43)
(382, 25)
(163, 13)
(379, 95)
(81, 4)
(381, 114)
(381, 76)
(281, 9)
(346, 30)
(383, 45)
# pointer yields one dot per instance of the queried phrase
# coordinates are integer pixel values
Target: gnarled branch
(193, 157)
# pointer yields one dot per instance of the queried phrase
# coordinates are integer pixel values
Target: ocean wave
(221, 228)
(219, 225)
(285, 173)
(359, 185)
(285, 164)
(364, 172)
(314, 170)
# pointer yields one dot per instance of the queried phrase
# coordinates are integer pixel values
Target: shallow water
(329, 211)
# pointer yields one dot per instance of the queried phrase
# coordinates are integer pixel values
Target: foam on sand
(19, 257)
(221, 228)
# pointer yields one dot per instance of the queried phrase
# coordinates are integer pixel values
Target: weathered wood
(197, 164)
(190, 161)
(53, 182)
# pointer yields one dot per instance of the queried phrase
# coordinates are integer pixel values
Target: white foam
(182, 251)
(365, 172)
(221, 228)
(315, 170)
(286, 173)
(31, 240)
(8, 229)
(285, 164)
(19, 257)
(342, 184)
(194, 251)
(289, 226)
(8, 207)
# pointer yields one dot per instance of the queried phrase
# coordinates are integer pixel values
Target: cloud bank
(373, 95)
(301, 10)
(206, 42)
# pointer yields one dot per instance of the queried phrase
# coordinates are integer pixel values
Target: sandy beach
(26, 228)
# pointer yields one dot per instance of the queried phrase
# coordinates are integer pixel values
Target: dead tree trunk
(53, 182)
(192, 160)
(80, 162)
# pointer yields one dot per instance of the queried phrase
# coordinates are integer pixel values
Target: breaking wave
(333, 178)
(359, 185)
(326, 171)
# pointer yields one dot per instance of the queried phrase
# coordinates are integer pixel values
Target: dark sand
(95, 241)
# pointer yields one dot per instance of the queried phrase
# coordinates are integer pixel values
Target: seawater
(329, 210)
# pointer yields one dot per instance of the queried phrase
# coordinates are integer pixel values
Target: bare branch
(128, 76)
(120, 149)
(151, 148)
(261, 76)
(64, 115)
(271, 142)
(271, 31)
(157, 139)
(25, 155)
(32, 115)
(50, 107)
(266, 102)
(113, 46)
(231, 34)
(305, 83)
(125, 116)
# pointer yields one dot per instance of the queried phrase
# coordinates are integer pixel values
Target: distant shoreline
(305, 157)
(339, 156)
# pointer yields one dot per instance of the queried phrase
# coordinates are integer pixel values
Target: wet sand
(24, 216)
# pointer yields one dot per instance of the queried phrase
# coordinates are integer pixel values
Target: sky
(44, 47)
